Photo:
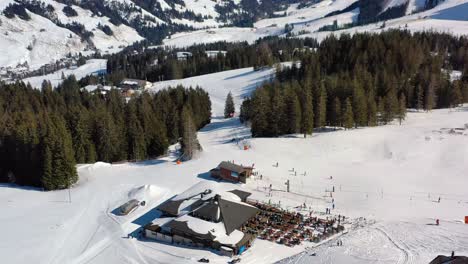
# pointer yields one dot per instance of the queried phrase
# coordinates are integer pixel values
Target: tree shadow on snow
(19, 187)
(149, 162)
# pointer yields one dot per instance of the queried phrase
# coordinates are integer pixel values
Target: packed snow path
(391, 175)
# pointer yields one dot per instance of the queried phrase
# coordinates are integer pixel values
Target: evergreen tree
(293, 110)
(348, 114)
(58, 163)
(401, 114)
(464, 87)
(260, 108)
(419, 97)
(275, 115)
(189, 143)
(135, 133)
(456, 97)
(322, 107)
(359, 106)
(390, 106)
(307, 121)
(336, 114)
(229, 106)
(372, 110)
(429, 98)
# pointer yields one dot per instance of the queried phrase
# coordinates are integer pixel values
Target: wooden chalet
(231, 172)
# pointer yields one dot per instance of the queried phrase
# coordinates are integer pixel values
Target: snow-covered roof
(93, 87)
(215, 231)
(192, 198)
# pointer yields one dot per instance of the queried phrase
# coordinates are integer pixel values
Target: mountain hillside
(37, 32)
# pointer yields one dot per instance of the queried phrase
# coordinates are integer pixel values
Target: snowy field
(92, 66)
(451, 16)
(387, 180)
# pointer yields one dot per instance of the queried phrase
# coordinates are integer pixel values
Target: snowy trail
(406, 254)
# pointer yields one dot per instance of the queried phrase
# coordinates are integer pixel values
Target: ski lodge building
(205, 216)
(231, 172)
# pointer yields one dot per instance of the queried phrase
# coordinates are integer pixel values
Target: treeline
(162, 64)
(363, 80)
(44, 133)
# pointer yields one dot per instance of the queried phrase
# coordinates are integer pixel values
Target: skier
(437, 222)
(333, 205)
(333, 188)
(276, 164)
(439, 200)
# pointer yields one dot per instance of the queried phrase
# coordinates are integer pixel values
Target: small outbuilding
(231, 172)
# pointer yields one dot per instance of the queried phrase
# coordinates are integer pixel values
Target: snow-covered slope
(196, 21)
(449, 16)
(45, 40)
(94, 66)
(391, 175)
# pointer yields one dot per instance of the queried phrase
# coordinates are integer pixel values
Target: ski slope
(391, 175)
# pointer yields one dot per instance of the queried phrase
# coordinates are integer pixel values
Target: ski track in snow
(405, 252)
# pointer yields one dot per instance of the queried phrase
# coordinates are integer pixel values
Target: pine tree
(47, 178)
(260, 108)
(293, 113)
(229, 106)
(359, 106)
(58, 171)
(336, 113)
(189, 144)
(390, 106)
(464, 92)
(429, 98)
(419, 97)
(307, 120)
(372, 110)
(456, 96)
(401, 114)
(63, 159)
(348, 114)
(275, 115)
(135, 133)
(322, 107)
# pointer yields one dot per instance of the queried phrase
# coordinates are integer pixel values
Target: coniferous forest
(361, 80)
(45, 133)
(350, 81)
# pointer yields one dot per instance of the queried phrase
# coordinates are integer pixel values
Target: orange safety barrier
(466, 219)
(178, 162)
(246, 147)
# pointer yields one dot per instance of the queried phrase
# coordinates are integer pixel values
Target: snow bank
(145, 192)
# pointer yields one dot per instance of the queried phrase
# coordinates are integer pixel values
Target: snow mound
(145, 192)
(98, 165)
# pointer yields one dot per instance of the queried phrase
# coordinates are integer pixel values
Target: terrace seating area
(288, 228)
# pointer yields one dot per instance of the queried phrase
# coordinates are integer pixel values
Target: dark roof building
(206, 215)
(231, 172)
(450, 260)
